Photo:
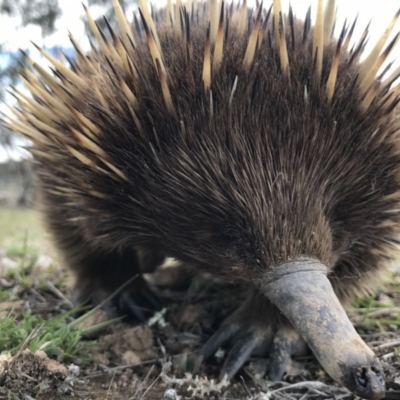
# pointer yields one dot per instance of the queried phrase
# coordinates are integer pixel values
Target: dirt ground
(150, 361)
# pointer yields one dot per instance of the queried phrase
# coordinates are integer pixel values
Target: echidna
(246, 143)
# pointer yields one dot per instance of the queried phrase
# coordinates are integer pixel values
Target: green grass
(22, 239)
(6, 295)
(381, 313)
(56, 337)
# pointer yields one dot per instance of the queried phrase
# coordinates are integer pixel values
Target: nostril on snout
(370, 383)
(362, 376)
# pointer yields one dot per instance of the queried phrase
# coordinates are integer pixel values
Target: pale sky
(380, 13)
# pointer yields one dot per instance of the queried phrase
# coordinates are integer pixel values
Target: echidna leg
(100, 271)
(150, 259)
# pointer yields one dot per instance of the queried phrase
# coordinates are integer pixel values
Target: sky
(380, 12)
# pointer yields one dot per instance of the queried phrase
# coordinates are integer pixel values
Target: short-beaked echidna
(244, 142)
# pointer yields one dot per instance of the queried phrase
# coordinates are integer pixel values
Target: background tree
(42, 13)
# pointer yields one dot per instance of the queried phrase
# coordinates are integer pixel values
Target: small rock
(101, 358)
(130, 357)
(259, 367)
(295, 368)
(6, 284)
(261, 396)
(170, 394)
(56, 369)
(4, 361)
(43, 262)
(7, 263)
(137, 339)
(74, 370)
(39, 354)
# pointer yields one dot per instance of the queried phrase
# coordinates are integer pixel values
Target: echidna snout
(302, 292)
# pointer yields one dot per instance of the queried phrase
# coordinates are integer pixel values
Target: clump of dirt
(128, 346)
(33, 373)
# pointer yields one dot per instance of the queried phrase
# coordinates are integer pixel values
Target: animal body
(244, 142)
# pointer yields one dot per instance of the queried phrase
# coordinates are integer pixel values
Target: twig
(386, 345)
(37, 295)
(313, 385)
(109, 386)
(122, 367)
(105, 301)
(60, 295)
(244, 383)
(388, 355)
(163, 351)
(152, 384)
(28, 340)
(305, 395)
(142, 384)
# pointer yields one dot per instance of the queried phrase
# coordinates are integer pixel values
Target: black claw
(279, 359)
(239, 355)
(152, 299)
(129, 306)
(111, 309)
(285, 344)
(223, 334)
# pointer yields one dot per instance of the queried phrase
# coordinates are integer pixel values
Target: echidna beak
(303, 293)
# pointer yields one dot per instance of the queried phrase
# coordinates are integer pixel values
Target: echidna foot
(137, 302)
(279, 345)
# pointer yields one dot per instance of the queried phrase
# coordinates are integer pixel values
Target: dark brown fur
(243, 187)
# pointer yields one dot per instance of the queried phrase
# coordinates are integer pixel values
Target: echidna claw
(286, 343)
(279, 347)
(139, 304)
(224, 334)
(239, 354)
